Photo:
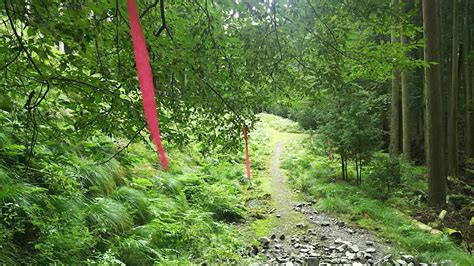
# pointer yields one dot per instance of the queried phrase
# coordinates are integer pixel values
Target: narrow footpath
(301, 235)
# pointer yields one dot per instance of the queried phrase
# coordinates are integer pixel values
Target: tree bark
(434, 123)
(406, 136)
(469, 141)
(394, 148)
(453, 99)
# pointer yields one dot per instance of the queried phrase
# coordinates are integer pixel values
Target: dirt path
(303, 236)
(282, 195)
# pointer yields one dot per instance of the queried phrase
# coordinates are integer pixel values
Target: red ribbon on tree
(247, 163)
(145, 80)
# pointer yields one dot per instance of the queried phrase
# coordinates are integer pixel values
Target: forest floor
(300, 213)
(301, 235)
(309, 236)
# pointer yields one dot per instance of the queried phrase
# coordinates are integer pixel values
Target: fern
(100, 179)
(109, 217)
(13, 191)
(137, 203)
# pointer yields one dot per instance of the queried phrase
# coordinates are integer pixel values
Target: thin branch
(30, 58)
(228, 105)
(11, 62)
(331, 32)
(164, 26)
(148, 8)
(126, 146)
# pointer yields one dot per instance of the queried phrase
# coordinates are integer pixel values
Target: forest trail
(281, 194)
(310, 237)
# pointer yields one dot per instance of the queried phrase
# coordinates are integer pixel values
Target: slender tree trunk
(453, 98)
(405, 106)
(357, 170)
(469, 144)
(342, 167)
(436, 177)
(394, 148)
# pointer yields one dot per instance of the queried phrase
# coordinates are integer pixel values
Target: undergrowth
(72, 204)
(373, 205)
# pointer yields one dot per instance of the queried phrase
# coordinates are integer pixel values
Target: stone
(254, 251)
(370, 250)
(338, 241)
(300, 225)
(278, 216)
(408, 258)
(265, 241)
(305, 250)
(299, 205)
(331, 247)
(341, 248)
(341, 223)
(367, 256)
(369, 243)
(350, 231)
(273, 236)
(314, 255)
(354, 248)
(323, 237)
(312, 261)
(401, 262)
(384, 259)
(282, 237)
(350, 255)
(325, 224)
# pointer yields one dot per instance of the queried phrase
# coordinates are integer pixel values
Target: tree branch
(164, 26)
(126, 146)
(30, 58)
(11, 62)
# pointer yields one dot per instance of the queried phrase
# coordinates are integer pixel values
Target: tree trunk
(394, 148)
(469, 141)
(453, 98)
(405, 106)
(342, 167)
(436, 177)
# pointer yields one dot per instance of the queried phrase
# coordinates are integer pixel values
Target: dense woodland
(383, 90)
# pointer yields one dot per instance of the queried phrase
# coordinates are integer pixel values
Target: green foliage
(107, 216)
(136, 202)
(124, 210)
(100, 179)
(361, 205)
